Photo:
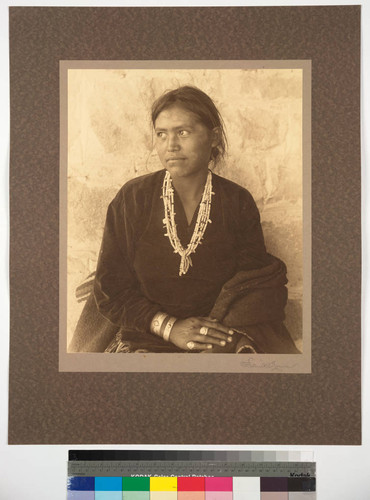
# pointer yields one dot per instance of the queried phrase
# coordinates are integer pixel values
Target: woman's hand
(199, 334)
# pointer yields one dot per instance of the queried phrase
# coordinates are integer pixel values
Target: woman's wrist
(157, 322)
(162, 324)
(168, 328)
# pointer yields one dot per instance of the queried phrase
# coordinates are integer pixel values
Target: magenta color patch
(219, 483)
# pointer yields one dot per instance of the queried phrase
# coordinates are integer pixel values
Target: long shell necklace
(200, 226)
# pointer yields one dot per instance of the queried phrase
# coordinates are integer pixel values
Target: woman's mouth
(175, 158)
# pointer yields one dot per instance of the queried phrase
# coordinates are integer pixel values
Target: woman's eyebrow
(178, 127)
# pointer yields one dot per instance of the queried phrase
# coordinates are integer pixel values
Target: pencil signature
(272, 365)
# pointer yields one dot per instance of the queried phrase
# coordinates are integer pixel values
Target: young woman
(183, 265)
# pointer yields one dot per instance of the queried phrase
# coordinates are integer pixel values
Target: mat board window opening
(126, 235)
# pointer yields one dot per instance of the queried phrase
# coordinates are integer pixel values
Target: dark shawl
(137, 272)
(252, 302)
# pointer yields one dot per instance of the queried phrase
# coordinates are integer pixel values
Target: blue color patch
(81, 483)
(108, 484)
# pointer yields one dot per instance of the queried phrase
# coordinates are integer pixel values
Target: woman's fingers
(219, 335)
(215, 338)
(216, 325)
(199, 334)
(197, 346)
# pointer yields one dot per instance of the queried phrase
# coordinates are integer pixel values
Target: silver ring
(190, 345)
(203, 330)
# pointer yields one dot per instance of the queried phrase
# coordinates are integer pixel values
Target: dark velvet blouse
(138, 272)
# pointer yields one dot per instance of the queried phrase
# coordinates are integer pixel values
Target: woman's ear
(216, 135)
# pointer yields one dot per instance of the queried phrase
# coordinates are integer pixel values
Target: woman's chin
(177, 171)
(181, 171)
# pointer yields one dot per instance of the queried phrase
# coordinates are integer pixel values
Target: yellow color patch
(163, 484)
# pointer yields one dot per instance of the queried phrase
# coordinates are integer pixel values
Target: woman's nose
(173, 142)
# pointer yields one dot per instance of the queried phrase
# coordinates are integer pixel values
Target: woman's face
(182, 142)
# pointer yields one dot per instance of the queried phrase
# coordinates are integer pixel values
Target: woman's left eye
(183, 133)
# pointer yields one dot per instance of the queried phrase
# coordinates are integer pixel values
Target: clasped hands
(199, 334)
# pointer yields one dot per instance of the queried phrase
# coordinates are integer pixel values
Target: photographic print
(217, 268)
(95, 126)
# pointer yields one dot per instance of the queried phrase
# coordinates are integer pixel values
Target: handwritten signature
(272, 365)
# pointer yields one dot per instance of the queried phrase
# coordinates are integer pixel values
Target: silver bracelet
(157, 322)
(168, 328)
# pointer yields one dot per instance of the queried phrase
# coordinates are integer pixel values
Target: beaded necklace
(200, 226)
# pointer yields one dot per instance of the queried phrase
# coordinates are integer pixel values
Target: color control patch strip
(170, 479)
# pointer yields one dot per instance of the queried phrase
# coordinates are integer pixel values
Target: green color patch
(135, 484)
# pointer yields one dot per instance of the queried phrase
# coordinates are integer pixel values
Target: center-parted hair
(198, 102)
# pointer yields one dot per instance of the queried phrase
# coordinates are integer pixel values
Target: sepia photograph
(182, 220)
(185, 230)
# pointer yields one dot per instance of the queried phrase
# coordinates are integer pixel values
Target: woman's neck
(190, 188)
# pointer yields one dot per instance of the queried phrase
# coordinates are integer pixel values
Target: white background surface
(40, 472)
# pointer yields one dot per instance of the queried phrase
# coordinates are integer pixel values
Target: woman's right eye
(160, 135)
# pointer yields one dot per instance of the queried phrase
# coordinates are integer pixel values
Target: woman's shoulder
(144, 181)
(232, 190)
(139, 187)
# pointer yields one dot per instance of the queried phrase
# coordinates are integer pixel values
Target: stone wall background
(110, 141)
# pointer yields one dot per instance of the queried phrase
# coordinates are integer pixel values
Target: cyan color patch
(108, 484)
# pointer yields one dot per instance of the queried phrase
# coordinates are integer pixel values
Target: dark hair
(198, 102)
